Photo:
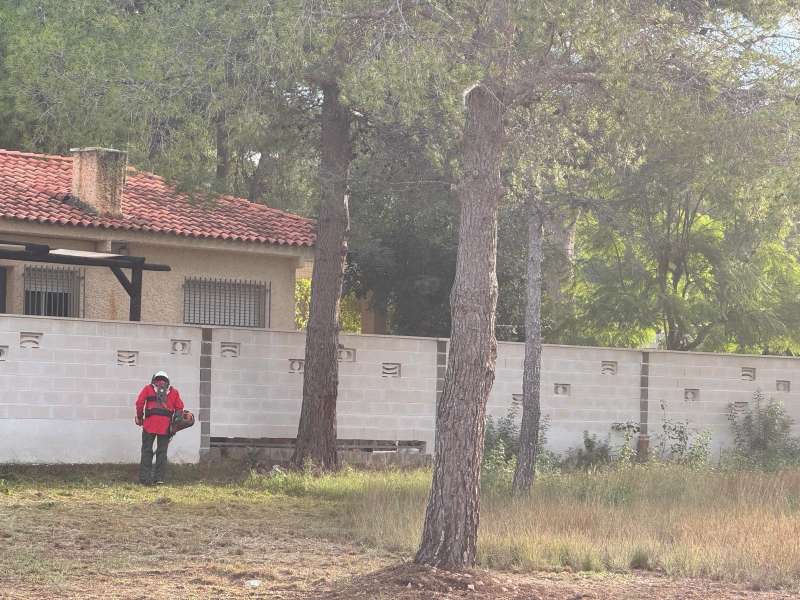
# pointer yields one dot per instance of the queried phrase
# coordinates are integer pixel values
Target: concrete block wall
(582, 389)
(68, 387)
(646, 388)
(389, 391)
(387, 386)
(253, 393)
(700, 387)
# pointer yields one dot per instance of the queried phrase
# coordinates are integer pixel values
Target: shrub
(641, 560)
(497, 470)
(762, 435)
(502, 439)
(699, 452)
(594, 453)
(504, 433)
(681, 444)
(626, 453)
(501, 446)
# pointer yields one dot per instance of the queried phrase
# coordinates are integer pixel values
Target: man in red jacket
(154, 409)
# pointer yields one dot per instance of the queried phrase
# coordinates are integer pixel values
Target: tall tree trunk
(316, 436)
(222, 138)
(531, 388)
(451, 520)
(559, 231)
(223, 151)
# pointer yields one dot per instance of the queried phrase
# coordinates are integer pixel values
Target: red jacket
(157, 416)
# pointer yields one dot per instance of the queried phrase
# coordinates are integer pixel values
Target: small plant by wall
(762, 434)
(594, 453)
(682, 444)
(503, 432)
(501, 445)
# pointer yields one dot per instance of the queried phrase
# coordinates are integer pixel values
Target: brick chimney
(98, 176)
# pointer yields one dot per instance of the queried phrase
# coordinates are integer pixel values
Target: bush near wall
(349, 310)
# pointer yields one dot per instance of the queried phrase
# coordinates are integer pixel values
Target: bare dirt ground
(184, 542)
(412, 582)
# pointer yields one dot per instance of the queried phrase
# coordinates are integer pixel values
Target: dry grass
(62, 531)
(736, 526)
(88, 532)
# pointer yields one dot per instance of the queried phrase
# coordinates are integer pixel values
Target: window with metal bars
(226, 302)
(53, 291)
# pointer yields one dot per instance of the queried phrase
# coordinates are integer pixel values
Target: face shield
(162, 387)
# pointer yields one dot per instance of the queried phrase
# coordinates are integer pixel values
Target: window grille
(226, 302)
(54, 291)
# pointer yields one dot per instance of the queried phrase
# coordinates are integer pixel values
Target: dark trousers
(148, 473)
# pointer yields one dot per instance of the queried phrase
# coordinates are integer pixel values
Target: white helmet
(160, 375)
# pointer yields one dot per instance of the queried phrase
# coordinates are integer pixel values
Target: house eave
(10, 227)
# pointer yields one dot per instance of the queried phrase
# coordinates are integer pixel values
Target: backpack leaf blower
(180, 420)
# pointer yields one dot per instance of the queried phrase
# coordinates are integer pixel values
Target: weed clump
(641, 560)
(762, 436)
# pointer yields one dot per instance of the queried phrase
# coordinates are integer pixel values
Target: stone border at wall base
(267, 457)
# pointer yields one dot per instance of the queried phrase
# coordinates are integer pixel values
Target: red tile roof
(36, 187)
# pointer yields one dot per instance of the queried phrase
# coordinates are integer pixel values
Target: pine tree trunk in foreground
(451, 520)
(525, 470)
(316, 436)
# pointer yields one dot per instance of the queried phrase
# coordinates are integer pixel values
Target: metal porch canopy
(41, 253)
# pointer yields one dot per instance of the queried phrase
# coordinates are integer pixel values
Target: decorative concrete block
(390, 369)
(230, 349)
(347, 354)
(561, 389)
(748, 373)
(180, 347)
(127, 358)
(30, 340)
(691, 394)
(608, 367)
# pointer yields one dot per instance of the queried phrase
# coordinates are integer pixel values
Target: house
(231, 262)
